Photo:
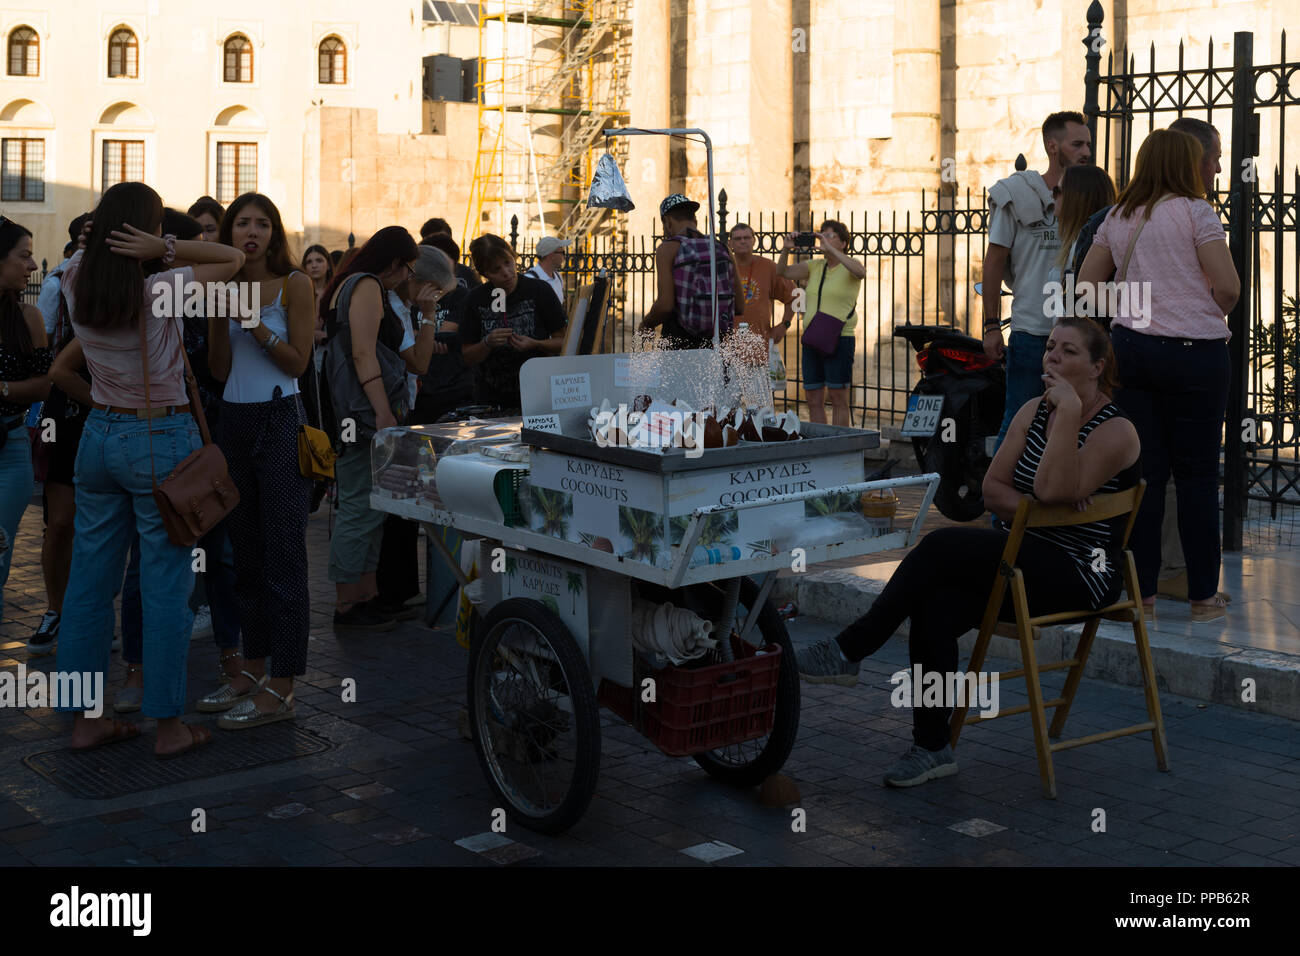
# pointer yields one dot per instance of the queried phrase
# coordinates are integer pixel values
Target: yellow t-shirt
(839, 294)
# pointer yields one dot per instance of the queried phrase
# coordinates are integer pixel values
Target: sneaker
(42, 642)
(821, 663)
(919, 765)
(202, 623)
(364, 617)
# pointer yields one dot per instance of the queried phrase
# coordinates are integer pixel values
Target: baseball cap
(679, 202)
(548, 244)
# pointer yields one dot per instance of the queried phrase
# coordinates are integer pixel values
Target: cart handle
(677, 570)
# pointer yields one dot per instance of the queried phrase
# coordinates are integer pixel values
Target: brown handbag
(198, 493)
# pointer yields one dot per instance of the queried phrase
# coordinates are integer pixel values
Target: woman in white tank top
(260, 361)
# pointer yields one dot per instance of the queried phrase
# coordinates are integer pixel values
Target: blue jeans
(16, 484)
(115, 499)
(1176, 394)
(1024, 375)
(221, 596)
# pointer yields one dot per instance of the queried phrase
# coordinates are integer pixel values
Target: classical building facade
(352, 117)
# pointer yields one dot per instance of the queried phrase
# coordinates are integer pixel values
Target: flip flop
(198, 737)
(121, 731)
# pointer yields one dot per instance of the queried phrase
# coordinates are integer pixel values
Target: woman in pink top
(124, 446)
(1175, 281)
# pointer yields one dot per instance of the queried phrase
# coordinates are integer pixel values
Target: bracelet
(992, 324)
(169, 256)
(372, 379)
(424, 322)
(271, 342)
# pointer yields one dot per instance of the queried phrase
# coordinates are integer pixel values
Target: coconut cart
(632, 578)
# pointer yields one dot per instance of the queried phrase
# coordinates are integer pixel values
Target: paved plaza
(388, 780)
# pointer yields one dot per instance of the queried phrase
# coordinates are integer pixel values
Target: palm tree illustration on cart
(717, 528)
(574, 581)
(511, 564)
(552, 511)
(643, 531)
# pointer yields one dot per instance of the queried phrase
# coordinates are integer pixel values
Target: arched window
(24, 52)
(123, 54)
(239, 59)
(333, 61)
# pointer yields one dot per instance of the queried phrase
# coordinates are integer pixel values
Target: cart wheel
(750, 763)
(534, 716)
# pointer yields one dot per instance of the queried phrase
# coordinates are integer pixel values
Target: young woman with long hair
(129, 440)
(260, 417)
(1084, 191)
(24, 364)
(386, 260)
(1172, 353)
(316, 263)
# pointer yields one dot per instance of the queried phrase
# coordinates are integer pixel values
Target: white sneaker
(202, 623)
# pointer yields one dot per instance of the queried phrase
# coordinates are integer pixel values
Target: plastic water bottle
(702, 556)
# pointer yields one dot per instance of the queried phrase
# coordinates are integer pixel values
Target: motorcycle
(953, 414)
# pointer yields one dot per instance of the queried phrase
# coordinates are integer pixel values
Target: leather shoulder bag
(198, 493)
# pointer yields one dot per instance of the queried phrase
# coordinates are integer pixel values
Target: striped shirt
(1094, 548)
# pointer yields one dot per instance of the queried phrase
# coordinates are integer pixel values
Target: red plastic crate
(702, 709)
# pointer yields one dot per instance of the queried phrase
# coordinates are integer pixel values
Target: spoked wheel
(534, 715)
(749, 763)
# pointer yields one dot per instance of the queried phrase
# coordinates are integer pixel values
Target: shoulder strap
(1123, 269)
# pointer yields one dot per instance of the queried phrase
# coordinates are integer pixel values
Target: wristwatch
(5, 391)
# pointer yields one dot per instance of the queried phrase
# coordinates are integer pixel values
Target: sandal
(247, 715)
(1216, 610)
(198, 737)
(121, 731)
(225, 697)
(129, 699)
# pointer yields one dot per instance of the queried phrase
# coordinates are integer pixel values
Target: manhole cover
(130, 767)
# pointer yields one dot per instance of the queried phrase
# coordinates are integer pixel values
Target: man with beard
(1023, 246)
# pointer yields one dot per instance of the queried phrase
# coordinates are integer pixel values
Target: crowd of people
(392, 331)
(400, 331)
(1095, 402)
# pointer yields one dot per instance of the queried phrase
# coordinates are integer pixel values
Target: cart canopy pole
(708, 158)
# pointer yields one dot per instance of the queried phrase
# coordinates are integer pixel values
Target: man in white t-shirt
(550, 256)
(1023, 246)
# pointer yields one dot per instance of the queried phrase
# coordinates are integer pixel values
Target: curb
(1202, 669)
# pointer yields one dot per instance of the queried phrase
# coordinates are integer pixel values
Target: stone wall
(368, 180)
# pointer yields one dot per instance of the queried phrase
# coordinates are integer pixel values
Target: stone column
(647, 167)
(914, 160)
(769, 164)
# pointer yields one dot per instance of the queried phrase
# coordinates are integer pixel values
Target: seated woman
(1062, 448)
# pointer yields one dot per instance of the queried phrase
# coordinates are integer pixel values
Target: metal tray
(817, 440)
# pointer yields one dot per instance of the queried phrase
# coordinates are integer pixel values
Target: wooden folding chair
(1032, 514)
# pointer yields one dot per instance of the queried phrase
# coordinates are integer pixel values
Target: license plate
(923, 413)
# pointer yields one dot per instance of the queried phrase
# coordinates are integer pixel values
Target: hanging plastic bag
(465, 609)
(776, 367)
(608, 191)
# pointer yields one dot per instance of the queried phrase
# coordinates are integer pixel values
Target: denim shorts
(829, 371)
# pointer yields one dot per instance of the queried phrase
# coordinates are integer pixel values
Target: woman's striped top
(1094, 548)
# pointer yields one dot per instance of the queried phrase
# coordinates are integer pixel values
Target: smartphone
(449, 339)
(806, 240)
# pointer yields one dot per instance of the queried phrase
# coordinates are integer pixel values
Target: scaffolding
(547, 87)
